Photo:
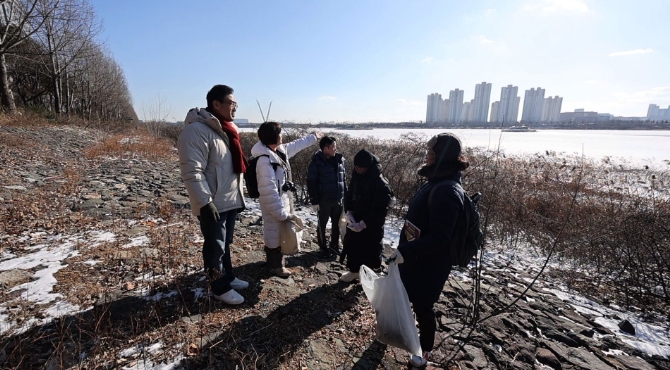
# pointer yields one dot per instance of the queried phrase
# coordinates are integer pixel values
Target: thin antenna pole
(270, 107)
(261, 109)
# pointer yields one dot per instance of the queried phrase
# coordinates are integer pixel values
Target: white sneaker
(239, 284)
(349, 277)
(230, 297)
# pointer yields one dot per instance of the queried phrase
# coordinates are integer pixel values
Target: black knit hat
(447, 147)
(363, 159)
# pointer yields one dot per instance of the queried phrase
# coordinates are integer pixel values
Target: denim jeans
(216, 251)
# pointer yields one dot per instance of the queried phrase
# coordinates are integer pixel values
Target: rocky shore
(100, 267)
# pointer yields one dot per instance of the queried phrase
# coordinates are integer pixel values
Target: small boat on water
(518, 129)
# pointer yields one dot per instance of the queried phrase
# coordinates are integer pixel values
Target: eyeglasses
(231, 103)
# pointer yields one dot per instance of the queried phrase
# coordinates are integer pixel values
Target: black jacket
(427, 261)
(324, 181)
(368, 197)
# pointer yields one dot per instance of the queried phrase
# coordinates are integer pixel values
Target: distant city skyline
(536, 108)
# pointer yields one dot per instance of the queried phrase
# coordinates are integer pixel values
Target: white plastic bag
(290, 233)
(395, 321)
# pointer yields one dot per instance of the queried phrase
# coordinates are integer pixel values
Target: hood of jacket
(203, 116)
(436, 173)
(262, 149)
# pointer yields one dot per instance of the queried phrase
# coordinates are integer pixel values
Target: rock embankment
(114, 243)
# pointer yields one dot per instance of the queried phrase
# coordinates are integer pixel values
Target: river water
(636, 146)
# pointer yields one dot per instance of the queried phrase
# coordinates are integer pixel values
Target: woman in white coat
(273, 173)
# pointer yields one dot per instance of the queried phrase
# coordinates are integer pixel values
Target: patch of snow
(5, 255)
(138, 241)
(199, 293)
(615, 352)
(91, 262)
(160, 295)
(102, 236)
(34, 247)
(148, 276)
(15, 187)
(62, 308)
(651, 339)
(129, 351)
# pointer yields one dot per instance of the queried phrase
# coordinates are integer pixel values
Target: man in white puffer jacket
(275, 187)
(212, 163)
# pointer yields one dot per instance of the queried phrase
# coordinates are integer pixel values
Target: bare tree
(18, 22)
(67, 34)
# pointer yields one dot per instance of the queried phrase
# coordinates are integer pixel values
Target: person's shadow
(116, 317)
(372, 356)
(258, 342)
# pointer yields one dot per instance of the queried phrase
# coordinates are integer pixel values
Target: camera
(289, 186)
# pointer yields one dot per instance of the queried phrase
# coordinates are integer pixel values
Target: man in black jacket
(326, 184)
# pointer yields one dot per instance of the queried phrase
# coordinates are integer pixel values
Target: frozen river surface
(638, 146)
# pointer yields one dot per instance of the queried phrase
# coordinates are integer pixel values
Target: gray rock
(627, 327)
(11, 278)
(546, 357)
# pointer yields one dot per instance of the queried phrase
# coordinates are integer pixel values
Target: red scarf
(239, 160)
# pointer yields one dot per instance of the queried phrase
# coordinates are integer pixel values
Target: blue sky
(375, 60)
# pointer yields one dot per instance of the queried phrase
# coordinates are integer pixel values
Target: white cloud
(327, 97)
(631, 52)
(427, 59)
(489, 11)
(555, 6)
(483, 40)
(591, 82)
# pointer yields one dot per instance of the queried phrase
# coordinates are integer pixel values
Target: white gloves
(397, 257)
(357, 226)
(350, 218)
(315, 207)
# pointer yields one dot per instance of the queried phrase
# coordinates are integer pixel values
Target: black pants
(216, 251)
(425, 316)
(364, 248)
(329, 210)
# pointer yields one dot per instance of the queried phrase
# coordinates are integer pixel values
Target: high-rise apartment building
(507, 109)
(445, 110)
(551, 109)
(455, 106)
(656, 113)
(533, 103)
(468, 112)
(495, 106)
(434, 105)
(481, 102)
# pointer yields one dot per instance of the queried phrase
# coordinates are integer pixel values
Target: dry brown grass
(11, 140)
(136, 144)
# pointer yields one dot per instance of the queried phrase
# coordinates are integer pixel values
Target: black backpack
(469, 239)
(250, 178)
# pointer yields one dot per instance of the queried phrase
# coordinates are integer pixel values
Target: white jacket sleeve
(193, 150)
(267, 188)
(297, 145)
